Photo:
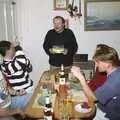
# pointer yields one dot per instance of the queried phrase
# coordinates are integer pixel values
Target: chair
(87, 66)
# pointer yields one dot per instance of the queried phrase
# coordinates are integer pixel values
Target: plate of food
(5, 100)
(83, 107)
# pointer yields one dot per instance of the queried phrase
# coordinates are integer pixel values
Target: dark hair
(56, 17)
(4, 46)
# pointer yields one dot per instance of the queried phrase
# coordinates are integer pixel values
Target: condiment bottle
(48, 112)
(62, 83)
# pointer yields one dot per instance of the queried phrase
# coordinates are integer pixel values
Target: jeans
(20, 101)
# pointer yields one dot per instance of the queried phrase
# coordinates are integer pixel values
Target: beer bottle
(62, 75)
(62, 83)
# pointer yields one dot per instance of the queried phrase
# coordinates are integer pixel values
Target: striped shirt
(16, 71)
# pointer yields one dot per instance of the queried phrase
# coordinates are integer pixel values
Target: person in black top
(60, 44)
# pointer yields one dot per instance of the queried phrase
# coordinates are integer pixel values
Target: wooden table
(34, 110)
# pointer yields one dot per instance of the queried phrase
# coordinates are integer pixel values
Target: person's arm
(20, 59)
(47, 43)
(72, 43)
(13, 92)
(77, 73)
(9, 112)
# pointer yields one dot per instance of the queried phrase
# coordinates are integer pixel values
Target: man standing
(60, 44)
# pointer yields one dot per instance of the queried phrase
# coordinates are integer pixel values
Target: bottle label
(48, 113)
(62, 81)
(47, 109)
(48, 117)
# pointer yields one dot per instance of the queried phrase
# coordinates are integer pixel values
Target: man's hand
(65, 51)
(20, 92)
(51, 51)
(21, 112)
(11, 91)
(77, 72)
(16, 43)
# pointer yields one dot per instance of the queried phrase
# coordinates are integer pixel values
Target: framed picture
(60, 4)
(102, 15)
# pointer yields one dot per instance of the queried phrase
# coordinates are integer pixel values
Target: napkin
(41, 100)
(75, 85)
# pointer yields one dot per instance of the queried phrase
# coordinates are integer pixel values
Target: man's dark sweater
(66, 39)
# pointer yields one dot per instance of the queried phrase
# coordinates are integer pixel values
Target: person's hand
(20, 92)
(77, 72)
(29, 68)
(16, 43)
(51, 51)
(65, 51)
(20, 112)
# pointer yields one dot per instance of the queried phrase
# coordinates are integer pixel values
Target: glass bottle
(48, 112)
(62, 75)
(62, 83)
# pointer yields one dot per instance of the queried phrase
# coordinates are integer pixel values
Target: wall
(35, 19)
(7, 20)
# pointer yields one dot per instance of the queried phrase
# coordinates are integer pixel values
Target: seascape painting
(102, 15)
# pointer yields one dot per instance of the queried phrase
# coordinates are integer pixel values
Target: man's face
(58, 24)
(101, 66)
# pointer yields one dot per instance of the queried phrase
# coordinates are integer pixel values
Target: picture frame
(60, 4)
(101, 15)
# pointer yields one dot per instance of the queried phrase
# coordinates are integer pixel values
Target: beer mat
(75, 85)
(78, 96)
(36, 104)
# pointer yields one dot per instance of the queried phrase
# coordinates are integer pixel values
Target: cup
(60, 108)
(68, 105)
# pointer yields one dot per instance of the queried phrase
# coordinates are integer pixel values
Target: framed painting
(60, 4)
(101, 15)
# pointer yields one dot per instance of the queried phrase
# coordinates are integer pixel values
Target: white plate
(79, 108)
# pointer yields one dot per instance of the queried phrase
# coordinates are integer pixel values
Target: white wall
(35, 19)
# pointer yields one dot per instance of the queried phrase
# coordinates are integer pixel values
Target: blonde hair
(106, 53)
